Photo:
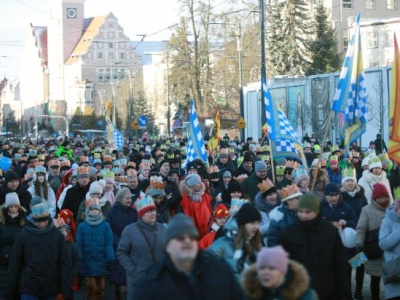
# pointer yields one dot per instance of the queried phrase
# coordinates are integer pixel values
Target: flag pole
(328, 125)
(272, 160)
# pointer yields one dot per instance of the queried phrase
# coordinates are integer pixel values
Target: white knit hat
(95, 188)
(12, 199)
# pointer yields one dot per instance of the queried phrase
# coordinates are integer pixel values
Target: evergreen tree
(143, 108)
(289, 38)
(325, 56)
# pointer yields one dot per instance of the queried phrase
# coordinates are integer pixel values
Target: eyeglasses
(183, 237)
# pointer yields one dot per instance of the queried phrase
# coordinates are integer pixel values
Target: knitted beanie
(310, 202)
(234, 186)
(260, 166)
(178, 225)
(9, 176)
(379, 190)
(275, 257)
(247, 157)
(192, 179)
(95, 188)
(247, 214)
(39, 209)
(331, 189)
(12, 199)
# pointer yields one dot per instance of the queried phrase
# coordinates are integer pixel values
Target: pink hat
(275, 257)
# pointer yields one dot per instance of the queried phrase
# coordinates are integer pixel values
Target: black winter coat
(211, 279)
(316, 244)
(23, 195)
(341, 211)
(74, 197)
(38, 264)
(357, 202)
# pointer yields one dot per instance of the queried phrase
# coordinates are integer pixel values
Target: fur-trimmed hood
(296, 283)
(3, 213)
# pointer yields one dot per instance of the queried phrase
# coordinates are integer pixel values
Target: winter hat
(156, 192)
(91, 203)
(290, 192)
(227, 173)
(374, 162)
(223, 155)
(331, 189)
(260, 166)
(95, 188)
(39, 209)
(234, 186)
(364, 162)
(143, 205)
(379, 190)
(9, 176)
(192, 179)
(178, 225)
(310, 202)
(247, 157)
(92, 171)
(348, 173)
(12, 199)
(281, 161)
(164, 161)
(275, 257)
(247, 214)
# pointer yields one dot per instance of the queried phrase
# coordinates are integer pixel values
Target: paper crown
(132, 164)
(97, 155)
(40, 157)
(131, 172)
(17, 156)
(163, 147)
(384, 158)
(183, 151)
(237, 203)
(265, 185)
(83, 159)
(156, 182)
(117, 170)
(40, 210)
(374, 162)
(317, 148)
(265, 157)
(116, 163)
(290, 192)
(107, 158)
(145, 162)
(280, 170)
(349, 172)
(265, 148)
(65, 163)
(239, 160)
(143, 204)
(32, 153)
(369, 152)
(396, 193)
(306, 145)
(40, 169)
(123, 161)
(121, 179)
(292, 164)
(107, 174)
(297, 173)
(83, 170)
(334, 148)
(241, 178)
(334, 158)
(91, 201)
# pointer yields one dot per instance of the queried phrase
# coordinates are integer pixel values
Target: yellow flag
(394, 114)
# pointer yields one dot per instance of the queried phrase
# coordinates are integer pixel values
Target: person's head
(11, 179)
(226, 177)
(146, 209)
(349, 179)
(12, 203)
(223, 158)
(234, 189)
(164, 167)
(220, 215)
(41, 174)
(269, 192)
(308, 207)
(124, 197)
(332, 193)
(40, 212)
(83, 176)
(364, 164)
(132, 182)
(333, 164)
(173, 176)
(290, 196)
(193, 181)
(145, 170)
(247, 161)
(380, 195)
(248, 218)
(261, 169)
(272, 266)
(54, 167)
(375, 165)
(181, 239)
(96, 189)
(157, 195)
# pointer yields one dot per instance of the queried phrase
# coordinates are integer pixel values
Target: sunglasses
(183, 237)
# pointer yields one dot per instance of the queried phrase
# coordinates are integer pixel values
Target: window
(110, 54)
(372, 39)
(391, 4)
(122, 55)
(345, 44)
(387, 38)
(100, 55)
(347, 3)
(369, 4)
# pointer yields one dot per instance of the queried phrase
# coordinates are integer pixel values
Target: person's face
(41, 162)
(145, 171)
(192, 171)
(132, 182)
(223, 160)
(365, 167)
(150, 217)
(95, 195)
(306, 214)
(332, 199)
(175, 165)
(127, 201)
(183, 248)
(252, 228)
(262, 174)
(83, 181)
(349, 185)
(13, 184)
(13, 209)
(55, 170)
(221, 221)
(333, 166)
(385, 166)
(377, 171)
(197, 187)
(73, 180)
(109, 186)
(94, 212)
(304, 183)
(42, 225)
(165, 169)
(98, 167)
(248, 164)
(269, 277)
(34, 162)
(158, 199)
(272, 198)
(174, 177)
(293, 203)
(236, 195)
(226, 179)
(288, 175)
(41, 177)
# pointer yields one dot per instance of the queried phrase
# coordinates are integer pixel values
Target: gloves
(110, 266)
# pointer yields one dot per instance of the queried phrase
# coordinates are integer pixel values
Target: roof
(40, 34)
(89, 32)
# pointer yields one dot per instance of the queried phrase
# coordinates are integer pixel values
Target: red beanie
(379, 190)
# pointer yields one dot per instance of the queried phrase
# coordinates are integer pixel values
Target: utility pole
(263, 68)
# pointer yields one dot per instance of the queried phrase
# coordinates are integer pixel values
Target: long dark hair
(254, 243)
(45, 188)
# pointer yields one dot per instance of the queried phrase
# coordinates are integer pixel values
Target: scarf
(13, 216)
(34, 229)
(110, 197)
(196, 196)
(94, 220)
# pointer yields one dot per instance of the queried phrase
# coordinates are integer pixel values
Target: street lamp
(263, 68)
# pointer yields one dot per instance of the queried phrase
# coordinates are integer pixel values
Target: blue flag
(196, 147)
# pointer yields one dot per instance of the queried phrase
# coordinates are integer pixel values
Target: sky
(150, 17)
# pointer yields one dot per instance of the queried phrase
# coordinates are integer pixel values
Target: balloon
(5, 164)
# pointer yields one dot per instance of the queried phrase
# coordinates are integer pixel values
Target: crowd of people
(145, 223)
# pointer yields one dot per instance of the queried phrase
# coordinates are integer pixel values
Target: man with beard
(250, 184)
(185, 272)
(133, 185)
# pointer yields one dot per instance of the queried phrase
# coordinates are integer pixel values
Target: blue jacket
(335, 177)
(281, 217)
(95, 246)
(341, 211)
(265, 209)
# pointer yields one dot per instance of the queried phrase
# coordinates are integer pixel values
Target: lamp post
(263, 68)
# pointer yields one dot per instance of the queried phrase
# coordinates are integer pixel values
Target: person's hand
(338, 225)
(343, 222)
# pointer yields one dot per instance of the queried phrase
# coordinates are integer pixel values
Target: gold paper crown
(92, 201)
(145, 162)
(280, 170)
(265, 185)
(131, 172)
(84, 170)
(290, 191)
(107, 158)
(97, 155)
(122, 179)
(292, 164)
(132, 164)
(65, 163)
(334, 148)
(334, 157)
(83, 159)
(349, 172)
(265, 148)
(40, 157)
(156, 182)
